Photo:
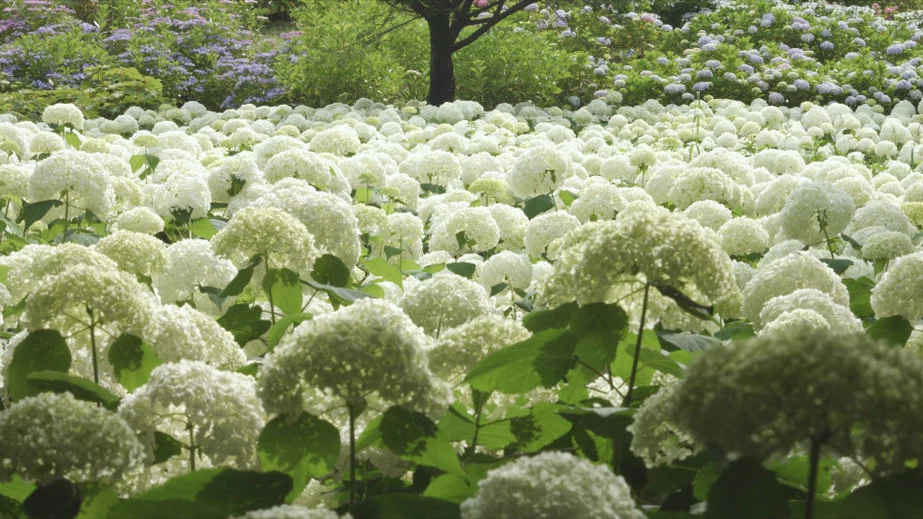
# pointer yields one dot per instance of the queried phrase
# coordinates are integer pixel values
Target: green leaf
(181, 217)
(498, 288)
(136, 161)
(555, 358)
(277, 331)
(132, 361)
(860, 296)
(245, 322)
(894, 330)
(538, 205)
(41, 350)
(330, 270)
(59, 499)
(241, 280)
(412, 436)
(539, 428)
(795, 469)
(735, 330)
(838, 265)
(463, 269)
(567, 197)
(202, 228)
(746, 489)
(392, 251)
(432, 188)
(891, 497)
(558, 317)
(284, 289)
(97, 500)
(450, 488)
(599, 327)
(686, 341)
(165, 447)
(34, 212)
(704, 479)
(207, 494)
(16, 489)
(72, 139)
(81, 388)
(848, 239)
(381, 268)
(16, 309)
(511, 369)
(338, 295)
(10, 226)
(301, 446)
(660, 362)
(406, 506)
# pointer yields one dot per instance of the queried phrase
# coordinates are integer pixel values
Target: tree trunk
(441, 71)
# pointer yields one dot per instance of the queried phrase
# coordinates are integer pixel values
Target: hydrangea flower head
(369, 350)
(280, 238)
(551, 484)
(54, 435)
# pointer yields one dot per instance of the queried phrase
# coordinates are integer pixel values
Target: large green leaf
(512, 369)
(132, 361)
(284, 289)
(81, 388)
(245, 322)
(277, 331)
(338, 295)
(165, 447)
(301, 446)
(746, 489)
(892, 497)
(97, 500)
(450, 488)
(558, 317)
(406, 506)
(462, 268)
(381, 268)
(34, 212)
(538, 205)
(539, 428)
(41, 350)
(330, 270)
(599, 328)
(207, 494)
(860, 296)
(413, 437)
(59, 499)
(242, 279)
(686, 341)
(894, 330)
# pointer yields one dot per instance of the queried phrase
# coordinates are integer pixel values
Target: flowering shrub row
(457, 311)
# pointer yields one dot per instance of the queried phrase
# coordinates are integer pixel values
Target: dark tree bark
(446, 20)
(441, 70)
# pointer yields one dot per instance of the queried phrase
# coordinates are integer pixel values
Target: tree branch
(494, 20)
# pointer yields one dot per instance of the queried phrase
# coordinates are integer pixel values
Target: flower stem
(814, 461)
(352, 458)
(192, 448)
(93, 346)
(634, 364)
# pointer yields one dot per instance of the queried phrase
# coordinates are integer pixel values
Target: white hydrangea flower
(508, 267)
(545, 228)
(63, 113)
(46, 142)
(445, 301)
(327, 217)
(134, 252)
(551, 484)
(708, 213)
(280, 238)
(481, 232)
(339, 140)
(189, 264)
(368, 350)
(75, 177)
(320, 172)
(655, 438)
(539, 171)
(695, 184)
(139, 219)
(512, 223)
(809, 205)
(54, 435)
(181, 193)
(786, 275)
(900, 291)
(743, 236)
(216, 411)
(267, 149)
(460, 348)
(882, 213)
(182, 332)
(238, 172)
(839, 317)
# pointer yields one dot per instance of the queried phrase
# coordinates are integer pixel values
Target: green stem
(93, 346)
(634, 364)
(479, 400)
(192, 448)
(66, 211)
(272, 306)
(352, 458)
(814, 461)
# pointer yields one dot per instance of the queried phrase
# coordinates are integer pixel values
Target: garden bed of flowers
(389, 310)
